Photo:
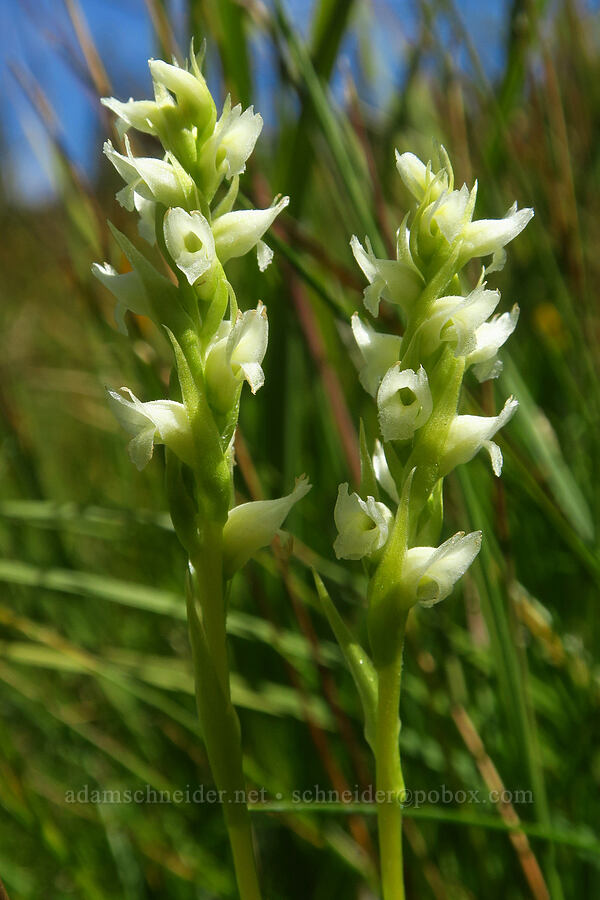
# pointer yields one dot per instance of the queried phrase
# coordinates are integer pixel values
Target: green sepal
(161, 292)
(368, 481)
(357, 659)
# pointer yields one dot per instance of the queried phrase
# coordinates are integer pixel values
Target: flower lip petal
(190, 242)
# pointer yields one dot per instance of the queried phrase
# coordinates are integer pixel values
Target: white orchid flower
(456, 319)
(127, 288)
(469, 434)
(238, 232)
(236, 355)
(379, 352)
(485, 237)
(153, 179)
(395, 280)
(251, 526)
(363, 525)
(430, 573)
(489, 337)
(155, 422)
(190, 242)
(235, 136)
(404, 402)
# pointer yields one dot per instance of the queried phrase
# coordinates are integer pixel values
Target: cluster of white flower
(185, 205)
(415, 379)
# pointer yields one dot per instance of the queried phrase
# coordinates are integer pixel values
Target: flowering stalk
(394, 522)
(185, 207)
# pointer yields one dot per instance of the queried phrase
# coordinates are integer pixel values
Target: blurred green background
(502, 685)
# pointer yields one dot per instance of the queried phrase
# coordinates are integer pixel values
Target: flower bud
(190, 242)
(251, 526)
(430, 573)
(194, 100)
(155, 422)
(363, 525)
(419, 178)
(404, 402)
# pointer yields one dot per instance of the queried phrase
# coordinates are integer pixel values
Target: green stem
(389, 778)
(219, 721)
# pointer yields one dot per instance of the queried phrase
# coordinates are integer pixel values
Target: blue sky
(36, 37)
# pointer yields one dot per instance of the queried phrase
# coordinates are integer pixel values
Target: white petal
(363, 525)
(237, 134)
(154, 179)
(248, 339)
(395, 280)
(382, 472)
(399, 419)
(468, 434)
(237, 354)
(451, 213)
(379, 352)
(489, 337)
(430, 573)
(238, 232)
(251, 526)
(486, 236)
(136, 114)
(190, 242)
